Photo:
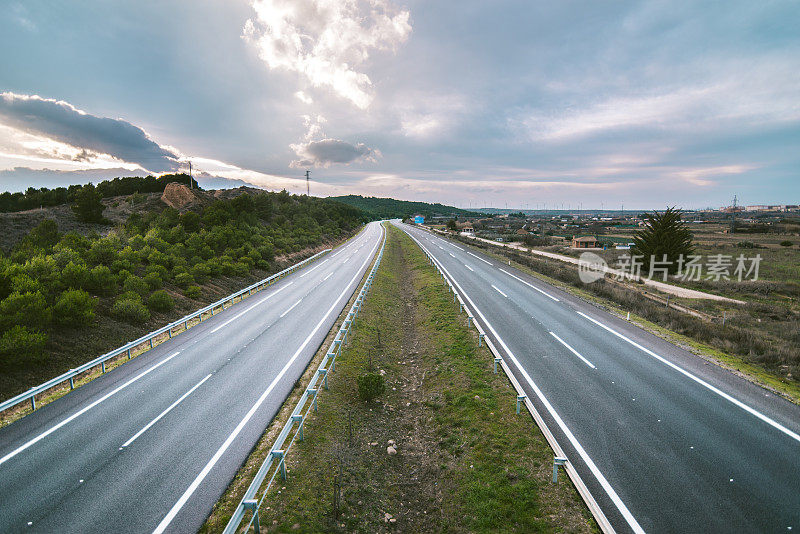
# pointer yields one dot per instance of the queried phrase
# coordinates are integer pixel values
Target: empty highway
(153, 444)
(664, 441)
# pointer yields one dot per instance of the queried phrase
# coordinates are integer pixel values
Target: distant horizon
(215, 183)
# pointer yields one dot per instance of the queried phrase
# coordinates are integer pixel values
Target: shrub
(135, 284)
(201, 272)
(74, 308)
(102, 252)
(25, 309)
(153, 280)
(192, 292)
(370, 386)
(75, 276)
(184, 280)
(786, 243)
(19, 344)
(101, 279)
(44, 235)
(160, 301)
(130, 310)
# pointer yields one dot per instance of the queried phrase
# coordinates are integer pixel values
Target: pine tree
(88, 207)
(663, 233)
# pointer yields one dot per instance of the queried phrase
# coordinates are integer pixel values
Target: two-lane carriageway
(153, 444)
(665, 441)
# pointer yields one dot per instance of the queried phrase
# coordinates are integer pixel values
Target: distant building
(468, 230)
(419, 219)
(585, 242)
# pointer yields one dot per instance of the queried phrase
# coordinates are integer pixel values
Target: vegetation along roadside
(66, 297)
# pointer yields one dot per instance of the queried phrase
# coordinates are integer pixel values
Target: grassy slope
(466, 461)
(389, 208)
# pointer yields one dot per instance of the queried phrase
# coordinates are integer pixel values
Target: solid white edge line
(84, 410)
(468, 267)
(484, 261)
(626, 514)
(265, 299)
(290, 308)
(573, 351)
(700, 381)
(165, 412)
(548, 295)
(162, 526)
(496, 289)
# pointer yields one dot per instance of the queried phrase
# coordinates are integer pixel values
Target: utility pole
(308, 186)
(733, 215)
(190, 175)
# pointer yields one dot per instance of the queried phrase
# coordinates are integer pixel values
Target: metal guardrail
(101, 361)
(296, 421)
(560, 458)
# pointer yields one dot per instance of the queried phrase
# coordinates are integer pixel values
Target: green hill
(389, 208)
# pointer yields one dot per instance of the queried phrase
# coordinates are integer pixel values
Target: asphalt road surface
(664, 441)
(153, 444)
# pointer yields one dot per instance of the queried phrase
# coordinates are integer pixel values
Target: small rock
(391, 451)
(477, 397)
(295, 526)
(393, 520)
(408, 404)
(386, 517)
(382, 372)
(274, 521)
(390, 442)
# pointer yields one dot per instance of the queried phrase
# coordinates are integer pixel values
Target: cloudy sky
(474, 103)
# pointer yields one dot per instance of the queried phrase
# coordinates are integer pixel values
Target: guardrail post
(520, 398)
(170, 333)
(480, 339)
(332, 357)
(151, 342)
(469, 320)
(556, 462)
(313, 391)
(33, 402)
(324, 373)
(299, 419)
(460, 307)
(103, 366)
(252, 504)
(279, 455)
(72, 381)
(497, 360)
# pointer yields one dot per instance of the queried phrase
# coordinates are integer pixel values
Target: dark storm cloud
(61, 121)
(330, 151)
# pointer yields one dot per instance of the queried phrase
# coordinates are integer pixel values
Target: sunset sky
(472, 103)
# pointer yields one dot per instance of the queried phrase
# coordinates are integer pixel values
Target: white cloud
(327, 41)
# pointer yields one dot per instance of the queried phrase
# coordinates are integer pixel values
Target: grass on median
(465, 461)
